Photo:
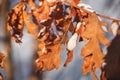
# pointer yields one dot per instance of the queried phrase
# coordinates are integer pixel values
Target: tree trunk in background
(6, 36)
(112, 69)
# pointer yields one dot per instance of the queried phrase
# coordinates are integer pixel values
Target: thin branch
(94, 76)
(106, 17)
(103, 16)
(103, 76)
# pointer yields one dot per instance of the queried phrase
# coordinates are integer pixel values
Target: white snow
(51, 0)
(78, 25)
(86, 7)
(114, 28)
(40, 3)
(72, 42)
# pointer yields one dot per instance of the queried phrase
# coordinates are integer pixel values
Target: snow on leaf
(78, 25)
(51, 0)
(80, 28)
(86, 7)
(72, 42)
(114, 27)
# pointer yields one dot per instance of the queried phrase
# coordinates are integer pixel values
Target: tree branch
(109, 18)
(103, 16)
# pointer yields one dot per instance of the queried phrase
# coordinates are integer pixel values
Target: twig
(94, 76)
(106, 17)
(103, 76)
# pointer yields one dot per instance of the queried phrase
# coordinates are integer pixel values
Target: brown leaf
(92, 62)
(31, 3)
(50, 22)
(87, 64)
(58, 12)
(75, 2)
(101, 36)
(16, 21)
(66, 27)
(93, 28)
(69, 57)
(73, 11)
(72, 29)
(81, 29)
(92, 53)
(42, 12)
(93, 58)
(32, 28)
(89, 48)
(50, 60)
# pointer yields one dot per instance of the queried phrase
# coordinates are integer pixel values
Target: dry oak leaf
(42, 12)
(32, 28)
(93, 28)
(16, 21)
(93, 57)
(51, 59)
(92, 53)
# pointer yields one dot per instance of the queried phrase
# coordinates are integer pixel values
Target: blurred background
(21, 55)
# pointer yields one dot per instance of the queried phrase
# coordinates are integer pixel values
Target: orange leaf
(75, 2)
(50, 60)
(69, 57)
